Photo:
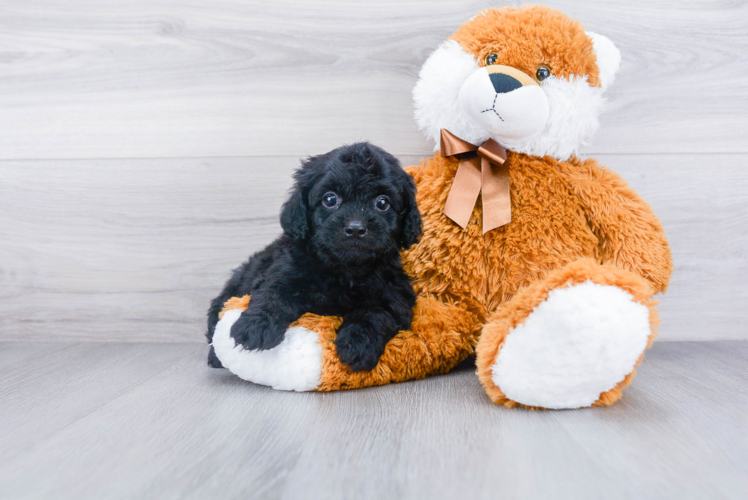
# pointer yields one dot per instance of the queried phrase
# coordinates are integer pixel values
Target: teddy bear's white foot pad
(580, 342)
(294, 365)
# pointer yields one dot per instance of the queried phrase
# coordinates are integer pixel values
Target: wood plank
(123, 79)
(200, 403)
(16, 355)
(53, 388)
(129, 249)
(135, 249)
(189, 431)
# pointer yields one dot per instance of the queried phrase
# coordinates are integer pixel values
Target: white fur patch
(572, 120)
(436, 92)
(294, 365)
(579, 343)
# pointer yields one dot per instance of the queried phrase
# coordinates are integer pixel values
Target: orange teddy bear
(540, 263)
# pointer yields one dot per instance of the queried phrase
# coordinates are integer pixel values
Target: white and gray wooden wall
(146, 147)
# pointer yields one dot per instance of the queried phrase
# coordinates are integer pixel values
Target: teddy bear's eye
(491, 58)
(542, 72)
(331, 200)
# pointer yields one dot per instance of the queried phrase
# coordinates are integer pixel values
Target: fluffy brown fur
(561, 212)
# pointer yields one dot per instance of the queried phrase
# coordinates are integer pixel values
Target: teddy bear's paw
(576, 347)
(293, 365)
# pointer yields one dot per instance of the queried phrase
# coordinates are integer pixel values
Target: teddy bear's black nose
(504, 83)
(355, 229)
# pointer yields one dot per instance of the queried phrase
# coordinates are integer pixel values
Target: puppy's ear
(294, 215)
(294, 219)
(410, 219)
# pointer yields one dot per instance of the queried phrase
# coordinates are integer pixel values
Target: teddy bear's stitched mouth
(493, 108)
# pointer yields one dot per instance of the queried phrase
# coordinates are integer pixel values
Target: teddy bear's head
(529, 78)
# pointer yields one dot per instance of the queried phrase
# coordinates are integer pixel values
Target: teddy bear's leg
(440, 337)
(571, 340)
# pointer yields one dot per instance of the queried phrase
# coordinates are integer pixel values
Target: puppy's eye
(331, 200)
(542, 72)
(491, 58)
(382, 203)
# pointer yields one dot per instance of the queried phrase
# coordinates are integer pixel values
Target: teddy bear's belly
(483, 271)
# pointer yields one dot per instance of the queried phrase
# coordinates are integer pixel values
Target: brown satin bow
(481, 171)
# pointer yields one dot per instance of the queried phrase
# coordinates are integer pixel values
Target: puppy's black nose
(355, 229)
(504, 83)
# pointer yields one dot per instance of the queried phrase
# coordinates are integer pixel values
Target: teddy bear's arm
(630, 234)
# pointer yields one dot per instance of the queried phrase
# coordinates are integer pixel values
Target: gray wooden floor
(91, 420)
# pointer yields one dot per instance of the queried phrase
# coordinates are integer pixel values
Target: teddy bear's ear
(608, 58)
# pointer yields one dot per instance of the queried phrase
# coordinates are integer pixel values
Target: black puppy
(350, 212)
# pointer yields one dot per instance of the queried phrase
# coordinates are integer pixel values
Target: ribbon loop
(482, 171)
(492, 151)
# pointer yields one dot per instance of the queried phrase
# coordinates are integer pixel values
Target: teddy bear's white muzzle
(508, 110)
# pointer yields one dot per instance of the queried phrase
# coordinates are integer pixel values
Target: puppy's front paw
(358, 347)
(257, 332)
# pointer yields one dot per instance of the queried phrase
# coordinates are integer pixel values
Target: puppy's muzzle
(508, 103)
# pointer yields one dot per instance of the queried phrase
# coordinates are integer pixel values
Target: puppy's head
(352, 206)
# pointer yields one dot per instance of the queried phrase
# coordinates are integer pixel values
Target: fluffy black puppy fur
(349, 214)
